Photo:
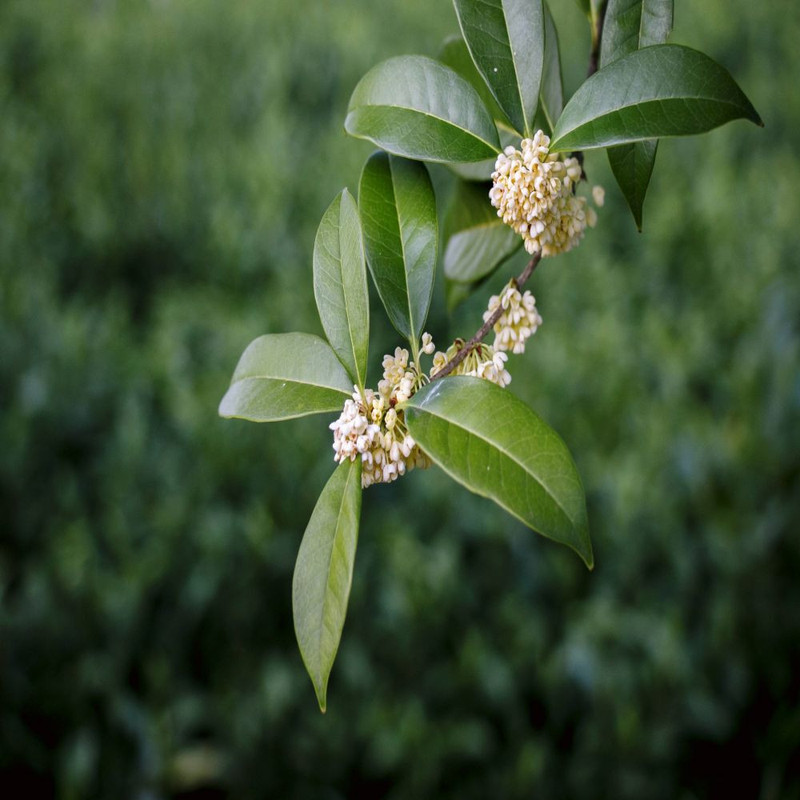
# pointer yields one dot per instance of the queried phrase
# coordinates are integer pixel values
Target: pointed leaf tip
(324, 572)
(663, 90)
(630, 25)
(492, 443)
(398, 211)
(284, 375)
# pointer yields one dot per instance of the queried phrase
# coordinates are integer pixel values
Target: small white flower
(372, 428)
(352, 432)
(405, 388)
(518, 322)
(439, 362)
(483, 362)
(427, 344)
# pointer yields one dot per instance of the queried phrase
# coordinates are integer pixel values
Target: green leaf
(491, 442)
(340, 285)
(286, 375)
(665, 90)
(323, 573)
(632, 165)
(416, 107)
(398, 211)
(456, 292)
(584, 6)
(552, 83)
(455, 54)
(506, 41)
(630, 25)
(482, 170)
(478, 241)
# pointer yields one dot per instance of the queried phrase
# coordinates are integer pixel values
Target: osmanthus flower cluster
(533, 191)
(372, 425)
(481, 361)
(459, 413)
(518, 320)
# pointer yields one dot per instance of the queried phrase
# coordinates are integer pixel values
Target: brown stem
(481, 333)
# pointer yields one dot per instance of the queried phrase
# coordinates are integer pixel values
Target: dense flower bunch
(533, 191)
(372, 424)
(518, 322)
(483, 361)
(372, 427)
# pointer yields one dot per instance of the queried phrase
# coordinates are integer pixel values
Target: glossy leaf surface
(491, 442)
(506, 41)
(665, 90)
(323, 574)
(340, 285)
(398, 210)
(455, 54)
(416, 107)
(552, 83)
(286, 375)
(632, 165)
(482, 170)
(630, 25)
(478, 241)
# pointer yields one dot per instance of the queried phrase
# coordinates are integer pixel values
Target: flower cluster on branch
(518, 321)
(533, 191)
(373, 428)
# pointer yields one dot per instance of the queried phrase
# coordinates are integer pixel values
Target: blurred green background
(163, 168)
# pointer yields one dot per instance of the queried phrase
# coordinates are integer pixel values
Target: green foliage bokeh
(163, 168)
